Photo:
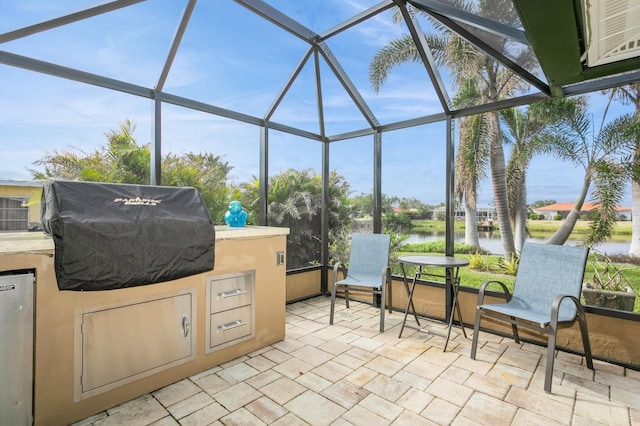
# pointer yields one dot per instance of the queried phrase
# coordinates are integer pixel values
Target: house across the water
(562, 210)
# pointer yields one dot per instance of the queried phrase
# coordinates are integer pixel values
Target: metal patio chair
(368, 271)
(546, 293)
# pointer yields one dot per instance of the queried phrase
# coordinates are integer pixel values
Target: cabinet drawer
(231, 325)
(230, 291)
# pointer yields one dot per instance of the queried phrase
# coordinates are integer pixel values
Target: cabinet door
(125, 343)
(16, 349)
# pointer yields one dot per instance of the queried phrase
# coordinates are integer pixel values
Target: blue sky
(232, 59)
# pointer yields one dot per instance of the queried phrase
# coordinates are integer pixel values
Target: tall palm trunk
(520, 218)
(499, 180)
(634, 249)
(562, 234)
(471, 235)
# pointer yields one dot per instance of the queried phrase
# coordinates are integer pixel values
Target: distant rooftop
(30, 183)
(586, 207)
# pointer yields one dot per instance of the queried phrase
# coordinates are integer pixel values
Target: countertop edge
(22, 242)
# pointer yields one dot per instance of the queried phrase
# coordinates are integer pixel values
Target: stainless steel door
(16, 349)
(125, 343)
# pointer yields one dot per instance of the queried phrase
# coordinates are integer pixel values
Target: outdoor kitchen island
(96, 349)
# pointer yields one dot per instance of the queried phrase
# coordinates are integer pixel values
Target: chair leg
(389, 283)
(514, 329)
(346, 296)
(382, 307)
(476, 331)
(551, 352)
(333, 303)
(582, 320)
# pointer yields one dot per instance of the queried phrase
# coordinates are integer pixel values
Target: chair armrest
(386, 274)
(337, 267)
(484, 285)
(555, 306)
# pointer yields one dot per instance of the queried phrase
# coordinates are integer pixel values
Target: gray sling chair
(368, 271)
(546, 293)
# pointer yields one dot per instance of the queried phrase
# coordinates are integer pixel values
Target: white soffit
(613, 30)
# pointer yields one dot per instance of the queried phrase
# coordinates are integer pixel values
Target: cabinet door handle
(232, 293)
(232, 324)
(186, 326)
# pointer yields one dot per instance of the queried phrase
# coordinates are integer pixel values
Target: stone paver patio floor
(351, 374)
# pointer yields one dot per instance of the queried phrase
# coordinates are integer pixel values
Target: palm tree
(478, 75)
(631, 95)
(521, 128)
(471, 163)
(121, 160)
(204, 171)
(599, 155)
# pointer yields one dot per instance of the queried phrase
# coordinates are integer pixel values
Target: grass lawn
(534, 226)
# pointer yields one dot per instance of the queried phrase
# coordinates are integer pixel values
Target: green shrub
(438, 246)
(509, 265)
(479, 262)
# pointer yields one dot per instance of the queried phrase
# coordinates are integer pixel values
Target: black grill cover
(110, 236)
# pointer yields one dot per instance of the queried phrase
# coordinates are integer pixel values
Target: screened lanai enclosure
(297, 76)
(364, 88)
(362, 96)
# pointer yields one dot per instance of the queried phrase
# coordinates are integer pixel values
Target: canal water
(492, 242)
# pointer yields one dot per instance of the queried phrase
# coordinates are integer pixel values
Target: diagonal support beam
(498, 56)
(66, 19)
(177, 39)
(348, 85)
(55, 70)
(477, 21)
(288, 84)
(425, 54)
(278, 18)
(355, 20)
(319, 102)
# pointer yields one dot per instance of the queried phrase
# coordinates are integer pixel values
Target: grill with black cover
(110, 236)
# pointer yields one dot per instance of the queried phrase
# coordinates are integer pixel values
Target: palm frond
(398, 51)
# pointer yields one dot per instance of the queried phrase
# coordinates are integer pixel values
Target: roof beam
(602, 83)
(288, 84)
(66, 19)
(177, 39)
(244, 118)
(351, 135)
(476, 21)
(73, 74)
(427, 119)
(278, 18)
(489, 50)
(425, 54)
(348, 85)
(319, 101)
(355, 20)
(498, 105)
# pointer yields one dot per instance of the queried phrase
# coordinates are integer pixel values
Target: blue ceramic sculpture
(236, 216)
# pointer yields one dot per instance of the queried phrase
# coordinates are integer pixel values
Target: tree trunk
(499, 180)
(634, 249)
(520, 216)
(562, 234)
(471, 236)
